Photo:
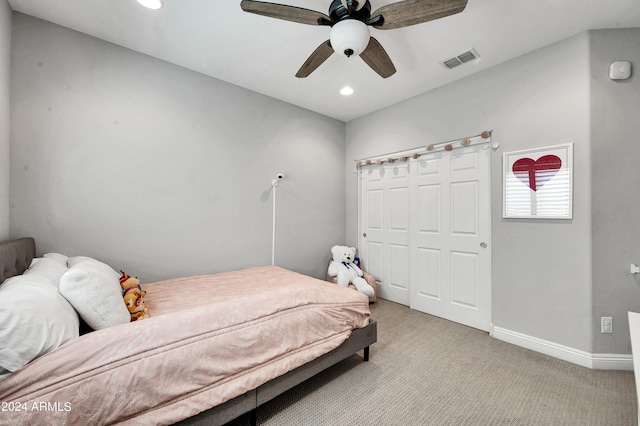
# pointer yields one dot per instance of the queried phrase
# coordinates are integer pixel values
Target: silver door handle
(483, 244)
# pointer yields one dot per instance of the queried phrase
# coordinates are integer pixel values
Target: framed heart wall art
(538, 183)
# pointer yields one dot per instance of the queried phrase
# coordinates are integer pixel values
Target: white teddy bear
(342, 266)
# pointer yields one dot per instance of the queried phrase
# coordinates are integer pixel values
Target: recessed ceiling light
(151, 4)
(346, 91)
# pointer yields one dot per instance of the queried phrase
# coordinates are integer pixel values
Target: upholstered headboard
(16, 256)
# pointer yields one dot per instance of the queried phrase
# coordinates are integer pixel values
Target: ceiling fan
(350, 20)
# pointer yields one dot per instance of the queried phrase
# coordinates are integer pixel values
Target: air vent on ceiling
(462, 58)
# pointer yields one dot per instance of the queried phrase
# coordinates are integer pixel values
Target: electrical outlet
(606, 325)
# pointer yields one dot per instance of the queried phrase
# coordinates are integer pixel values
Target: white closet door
(384, 247)
(450, 257)
(425, 227)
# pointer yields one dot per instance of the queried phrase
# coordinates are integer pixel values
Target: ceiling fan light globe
(349, 37)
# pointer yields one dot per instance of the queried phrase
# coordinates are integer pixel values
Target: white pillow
(49, 268)
(61, 258)
(34, 320)
(101, 266)
(93, 288)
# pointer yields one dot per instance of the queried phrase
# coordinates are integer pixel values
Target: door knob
(483, 244)
(364, 234)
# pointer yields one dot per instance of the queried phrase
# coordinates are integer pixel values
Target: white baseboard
(576, 356)
(612, 362)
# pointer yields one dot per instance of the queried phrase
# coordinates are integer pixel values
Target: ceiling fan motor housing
(349, 37)
(360, 10)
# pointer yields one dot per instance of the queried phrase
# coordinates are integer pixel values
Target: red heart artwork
(536, 173)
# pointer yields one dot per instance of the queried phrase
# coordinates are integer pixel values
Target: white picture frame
(538, 183)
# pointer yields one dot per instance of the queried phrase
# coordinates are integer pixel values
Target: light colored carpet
(428, 371)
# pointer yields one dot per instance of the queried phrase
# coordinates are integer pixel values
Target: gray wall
(161, 171)
(541, 269)
(615, 135)
(5, 49)
(165, 172)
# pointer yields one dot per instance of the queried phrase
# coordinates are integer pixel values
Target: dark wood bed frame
(16, 256)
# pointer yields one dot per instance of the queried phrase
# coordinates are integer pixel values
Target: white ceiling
(215, 37)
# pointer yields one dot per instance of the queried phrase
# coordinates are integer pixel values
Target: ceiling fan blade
(376, 57)
(288, 13)
(316, 59)
(411, 12)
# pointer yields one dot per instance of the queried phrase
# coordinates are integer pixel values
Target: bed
(214, 347)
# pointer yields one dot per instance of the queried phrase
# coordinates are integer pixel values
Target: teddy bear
(133, 295)
(344, 267)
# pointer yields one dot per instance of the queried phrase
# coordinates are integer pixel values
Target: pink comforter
(208, 339)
